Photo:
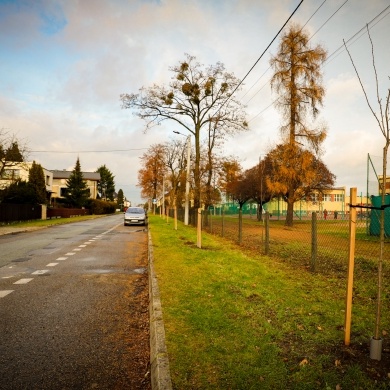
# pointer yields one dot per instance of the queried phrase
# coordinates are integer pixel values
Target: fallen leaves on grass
(304, 362)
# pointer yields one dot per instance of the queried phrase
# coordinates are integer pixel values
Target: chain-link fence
(315, 243)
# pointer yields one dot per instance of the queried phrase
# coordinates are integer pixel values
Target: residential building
(21, 171)
(60, 178)
(333, 202)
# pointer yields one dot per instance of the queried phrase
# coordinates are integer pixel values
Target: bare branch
(364, 91)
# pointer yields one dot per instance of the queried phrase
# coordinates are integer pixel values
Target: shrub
(98, 206)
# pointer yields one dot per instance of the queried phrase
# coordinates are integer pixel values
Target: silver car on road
(136, 216)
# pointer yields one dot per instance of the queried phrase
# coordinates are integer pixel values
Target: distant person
(325, 213)
(335, 214)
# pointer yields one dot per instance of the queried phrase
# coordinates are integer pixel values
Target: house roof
(62, 174)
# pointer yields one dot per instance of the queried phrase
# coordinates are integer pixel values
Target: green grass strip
(240, 321)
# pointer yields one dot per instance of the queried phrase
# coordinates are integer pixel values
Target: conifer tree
(77, 190)
(36, 179)
(298, 81)
(106, 185)
(120, 199)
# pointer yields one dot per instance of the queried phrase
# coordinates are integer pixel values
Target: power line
(86, 151)
(314, 14)
(250, 70)
(327, 20)
(356, 34)
(341, 47)
(270, 66)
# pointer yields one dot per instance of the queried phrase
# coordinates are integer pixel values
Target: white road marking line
(87, 243)
(82, 246)
(77, 249)
(40, 272)
(24, 281)
(61, 258)
(6, 277)
(69, 254)
(5, 292)
(51, 264)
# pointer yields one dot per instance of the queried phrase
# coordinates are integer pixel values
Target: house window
(326, 198)
(48, 180)
(314, 198)
(63, 191)
(339, 198)
(11, 174)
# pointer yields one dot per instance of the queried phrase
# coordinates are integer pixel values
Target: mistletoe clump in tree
(77, 190)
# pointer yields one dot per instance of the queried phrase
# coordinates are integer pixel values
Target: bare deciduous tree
(195, 97)
(383, 120)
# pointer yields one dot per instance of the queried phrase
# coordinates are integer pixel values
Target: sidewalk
(15, 230)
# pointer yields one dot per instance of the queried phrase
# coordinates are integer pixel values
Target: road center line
(24, 281)
(40, 272)
(69, 254)
(51, 264)
(61, 258)
(5, 292)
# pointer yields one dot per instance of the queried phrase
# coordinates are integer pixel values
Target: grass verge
(49, 222)
(235, 320)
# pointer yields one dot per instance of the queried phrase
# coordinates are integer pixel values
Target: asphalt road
(67, 307)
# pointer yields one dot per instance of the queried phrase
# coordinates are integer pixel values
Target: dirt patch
(138, 336)
(133, 310)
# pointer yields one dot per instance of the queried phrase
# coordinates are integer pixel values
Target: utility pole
(187, 198)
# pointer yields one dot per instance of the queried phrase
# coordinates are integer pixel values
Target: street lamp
(187, 198)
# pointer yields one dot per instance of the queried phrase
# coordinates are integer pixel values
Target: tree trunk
(259, 211)
(290, 211)
(240, 225)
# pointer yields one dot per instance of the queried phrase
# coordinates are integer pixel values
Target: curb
(159, 362)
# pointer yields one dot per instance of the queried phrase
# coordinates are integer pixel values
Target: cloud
(65, 63)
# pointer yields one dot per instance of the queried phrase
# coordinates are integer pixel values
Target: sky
(64, 64)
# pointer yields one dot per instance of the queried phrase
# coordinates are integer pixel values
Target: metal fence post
(240, 226)
(313, 263)
(223, 222)
(266, 226)
(199, 229)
